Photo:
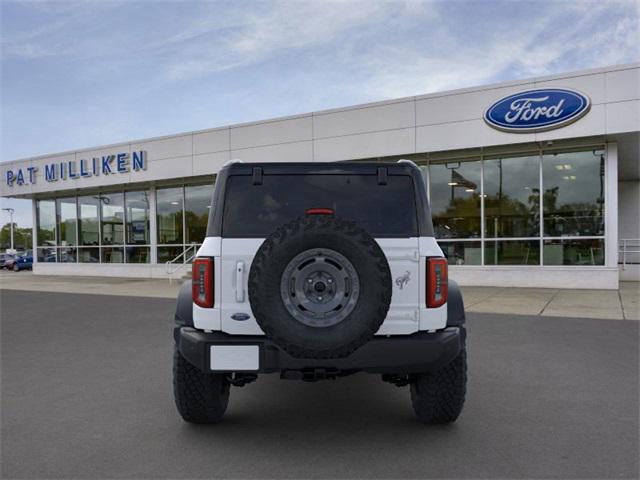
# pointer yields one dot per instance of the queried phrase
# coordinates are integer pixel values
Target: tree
(21, 237)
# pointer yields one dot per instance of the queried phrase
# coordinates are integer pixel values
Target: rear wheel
(200, 397)
(438, 397)
(16, 268)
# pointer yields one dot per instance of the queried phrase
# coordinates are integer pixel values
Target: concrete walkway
(608, 304)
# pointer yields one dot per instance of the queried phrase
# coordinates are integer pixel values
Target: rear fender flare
(455, 306)
(184, 308)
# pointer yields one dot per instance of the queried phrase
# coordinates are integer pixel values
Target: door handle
(240, 282)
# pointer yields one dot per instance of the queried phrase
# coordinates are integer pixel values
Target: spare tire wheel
(320, 287)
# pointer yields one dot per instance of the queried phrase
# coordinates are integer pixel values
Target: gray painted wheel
(320, 287)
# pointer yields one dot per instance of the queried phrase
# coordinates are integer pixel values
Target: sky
(87, 73)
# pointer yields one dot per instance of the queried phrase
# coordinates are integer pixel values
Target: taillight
(437, 282)
(202, 282)
(319, 211)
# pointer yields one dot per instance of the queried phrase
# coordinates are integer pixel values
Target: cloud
(101, 72)
(287, 26)
(526, 47)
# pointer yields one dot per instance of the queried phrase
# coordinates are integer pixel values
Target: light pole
(11, 212)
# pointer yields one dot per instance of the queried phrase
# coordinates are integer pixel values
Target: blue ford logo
(537, 110)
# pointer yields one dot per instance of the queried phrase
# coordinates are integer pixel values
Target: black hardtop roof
(326, 168)
(425, 226)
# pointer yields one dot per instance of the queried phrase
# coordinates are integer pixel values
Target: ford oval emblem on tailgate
(241, 316)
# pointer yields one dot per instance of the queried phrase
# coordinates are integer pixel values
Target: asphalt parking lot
(86, 393)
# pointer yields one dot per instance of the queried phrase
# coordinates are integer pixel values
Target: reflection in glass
(46, 217)
(166, 254)
(137, 254)
(573, 198)
(574, 252)
(67, 254)
(112, 218)
(46, 254)
(512, 197)
(67, 212)
(462, 253)
(455, 199)
(197, 200)
(88, 220)
(112, 255)
(89, 255)
(169, 207)
(137, 218)
(512, 252)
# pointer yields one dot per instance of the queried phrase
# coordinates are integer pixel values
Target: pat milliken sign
(537, 110)
(105, 165)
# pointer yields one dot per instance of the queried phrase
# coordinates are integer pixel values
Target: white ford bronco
(317, 271)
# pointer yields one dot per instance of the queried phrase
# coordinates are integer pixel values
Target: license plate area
(234, 358)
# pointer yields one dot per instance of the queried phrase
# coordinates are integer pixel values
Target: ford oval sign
(537, 110)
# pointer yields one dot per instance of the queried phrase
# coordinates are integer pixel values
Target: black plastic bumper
(401, 354)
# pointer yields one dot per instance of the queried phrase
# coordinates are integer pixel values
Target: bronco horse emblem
(403, 280)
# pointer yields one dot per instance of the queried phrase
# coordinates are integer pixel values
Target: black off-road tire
(322, 232)
(438, 397)
(200, 397)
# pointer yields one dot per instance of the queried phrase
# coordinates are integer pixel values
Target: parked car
(7, 261)
(23, 262)
(317, 271)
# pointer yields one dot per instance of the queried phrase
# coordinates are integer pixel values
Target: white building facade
(533, 183)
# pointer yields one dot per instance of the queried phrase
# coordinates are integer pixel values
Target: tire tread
(200, 397)
(343, 227)
(438, 397)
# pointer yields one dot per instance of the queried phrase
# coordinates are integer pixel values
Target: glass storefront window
(166, 254)
(88, 227)
(574, 252)
(169, 217)
(462, 253)
(137, 254)
(46, 217)
(137, 218)
(197, 200)
(512, 252)
(573, 198)
(67, 254)
(112, 218)
(89, 255)
(112, 255)
(67, 224)
(455, 199)
(512, 197)
(46, 254)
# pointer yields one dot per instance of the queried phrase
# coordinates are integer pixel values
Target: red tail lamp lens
(202, 282)
(319, 211)
(437, 282)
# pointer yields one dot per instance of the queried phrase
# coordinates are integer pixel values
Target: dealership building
(533, 183)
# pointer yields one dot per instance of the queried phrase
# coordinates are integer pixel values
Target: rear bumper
(420, 352)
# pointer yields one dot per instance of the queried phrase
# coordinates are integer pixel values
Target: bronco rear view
(316, 271)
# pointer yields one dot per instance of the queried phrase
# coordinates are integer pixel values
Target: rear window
(257, 210)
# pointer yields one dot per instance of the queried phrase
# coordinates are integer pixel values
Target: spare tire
(320, 287)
